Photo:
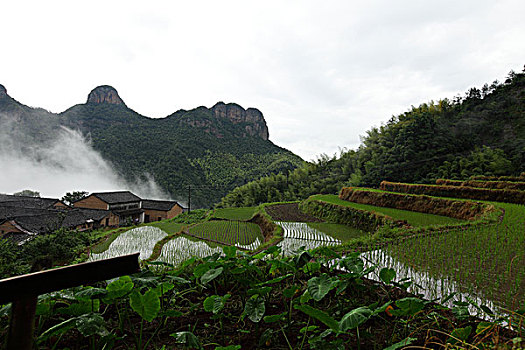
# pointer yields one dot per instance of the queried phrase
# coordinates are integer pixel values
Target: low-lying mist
(62, 163)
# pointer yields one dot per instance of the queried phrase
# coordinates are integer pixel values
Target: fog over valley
(61, 162)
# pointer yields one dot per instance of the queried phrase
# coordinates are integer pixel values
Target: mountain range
(209, 151)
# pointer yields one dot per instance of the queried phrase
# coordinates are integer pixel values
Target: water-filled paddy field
(143, 239)
(299, 234)
(140, 239)
(485, 263)
(228, 232)
(486, 260)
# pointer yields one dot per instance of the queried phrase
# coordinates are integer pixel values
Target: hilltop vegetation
(482, 133)
(212, 149)
(180, 150)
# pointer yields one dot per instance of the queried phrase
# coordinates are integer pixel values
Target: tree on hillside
(74, 196)
(27, 193)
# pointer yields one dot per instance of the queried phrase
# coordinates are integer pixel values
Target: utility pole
(189, 198)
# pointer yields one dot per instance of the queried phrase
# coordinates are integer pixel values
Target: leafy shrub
(500, 185)
(361, 219)
(494, 195)
(45, 251)
(463, 210)
(9, 255)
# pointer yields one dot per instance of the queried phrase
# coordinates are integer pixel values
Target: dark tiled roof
(158, 205)
(9, 211)
(42, 223)
(28, 202)
(117, 197)
(51, 220)
(17, 237)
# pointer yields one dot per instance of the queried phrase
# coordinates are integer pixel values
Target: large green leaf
(118, 288)
(408, 306)
(319, 315)
(275, 318)
(215, 303)
(90, 293)
(254, 308)
(352, 264)
(459, 334)
(211, 274)
(387, 274)
(354, 318)
(57, 329)
(147, 305)
(80, 308)
(163, 288)
(91, 324)
(318, 287)
(301, 259)
(187, 339)
(274, 280)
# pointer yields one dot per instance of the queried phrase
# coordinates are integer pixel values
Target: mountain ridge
(176, 150)
(481, 133)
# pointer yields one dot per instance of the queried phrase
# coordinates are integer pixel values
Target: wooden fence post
(23, 291)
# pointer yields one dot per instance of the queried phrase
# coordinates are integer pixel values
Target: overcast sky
(322, 72)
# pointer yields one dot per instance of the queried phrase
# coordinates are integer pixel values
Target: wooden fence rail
(23, 291)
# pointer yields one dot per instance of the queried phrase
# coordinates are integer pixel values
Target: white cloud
(322, 73)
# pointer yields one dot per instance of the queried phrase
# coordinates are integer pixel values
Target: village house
(22, 217)
(155, 210)
(125, 207)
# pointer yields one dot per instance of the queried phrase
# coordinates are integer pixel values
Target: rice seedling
(140, 239)
(486, 261)
(180, 249)
(244, 213)
(415, 219)
(299, 234)
(228, 232)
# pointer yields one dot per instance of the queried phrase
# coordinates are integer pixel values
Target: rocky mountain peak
(255, 125)
(105, 94)
(3, 91)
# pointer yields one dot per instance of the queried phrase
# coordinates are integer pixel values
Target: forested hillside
(481, 133)
(213, 150)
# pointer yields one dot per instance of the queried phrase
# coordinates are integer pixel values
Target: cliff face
(3, 91)
(253, 118)
(105, 94)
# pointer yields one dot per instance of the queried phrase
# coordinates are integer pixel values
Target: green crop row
(414, 219)
(342, 214)
(500, 185)
(499, 178)
(228, 232)
(493, 195)
(244, 213)
(459, 209)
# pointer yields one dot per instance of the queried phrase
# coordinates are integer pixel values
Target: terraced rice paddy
(140, 239)
(487, 262)
(338, 231)
(181, 248)
(244, 213)
(415, 219)
(228, 232)
(299, 234)
(429, 285)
